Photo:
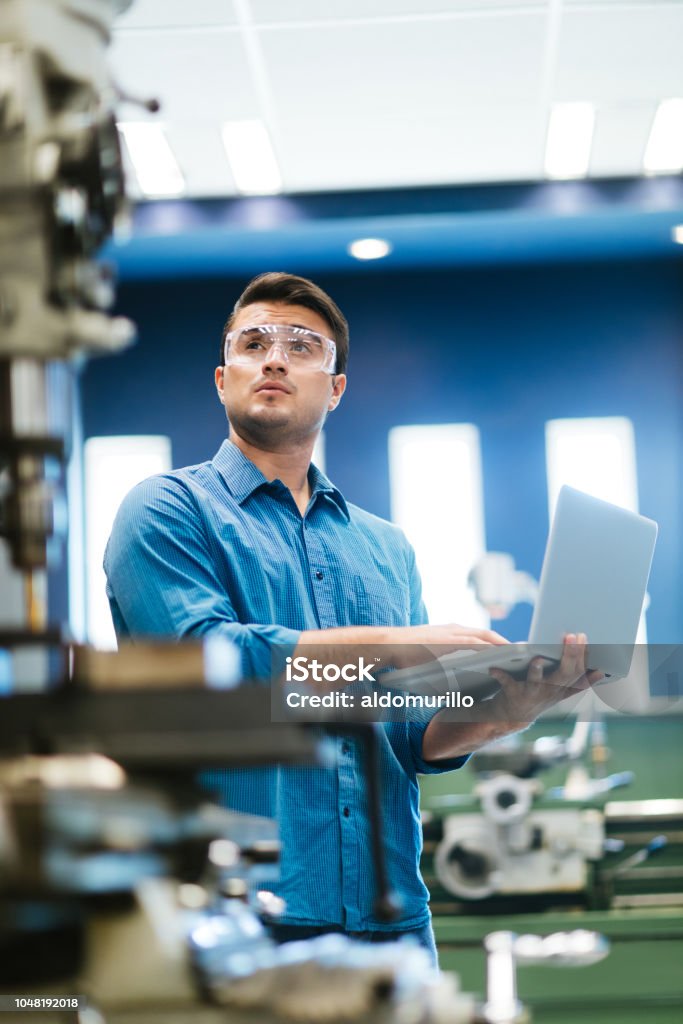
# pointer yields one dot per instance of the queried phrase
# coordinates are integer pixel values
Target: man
(261, 547)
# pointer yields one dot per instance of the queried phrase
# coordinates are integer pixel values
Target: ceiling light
(570, 135)
(664, 150)
(155, 166)
(677, 234)
(369, 248)
(251, 157)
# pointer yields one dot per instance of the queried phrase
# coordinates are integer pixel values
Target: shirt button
(319, 575)
(346, 812)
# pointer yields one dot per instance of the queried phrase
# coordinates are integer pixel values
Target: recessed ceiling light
(677, 234)
(251, 157)
(155, 166)
(369, 248)
(664, 150)
(569, 140)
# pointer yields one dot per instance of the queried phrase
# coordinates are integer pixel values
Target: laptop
(594, 577)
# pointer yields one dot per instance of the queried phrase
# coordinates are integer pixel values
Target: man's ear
(218, 377)
(338, 389)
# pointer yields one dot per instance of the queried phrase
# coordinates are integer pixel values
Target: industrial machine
(61, 194)
(540, 838)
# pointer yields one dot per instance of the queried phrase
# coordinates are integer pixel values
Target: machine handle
(504, 950)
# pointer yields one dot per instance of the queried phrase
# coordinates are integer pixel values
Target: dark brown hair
(294, 291)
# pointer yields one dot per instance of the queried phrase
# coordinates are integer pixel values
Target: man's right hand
(412, 645)
(396, 646)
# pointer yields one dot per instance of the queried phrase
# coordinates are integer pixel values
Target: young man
(260, 546)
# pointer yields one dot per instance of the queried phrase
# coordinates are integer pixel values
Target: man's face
(273, 404)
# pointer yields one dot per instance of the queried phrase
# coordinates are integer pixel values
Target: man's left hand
(523, 700)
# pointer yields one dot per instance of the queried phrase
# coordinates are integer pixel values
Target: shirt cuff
(416, 731)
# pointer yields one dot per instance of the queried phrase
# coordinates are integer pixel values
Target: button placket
(351, 852)
(322, 580)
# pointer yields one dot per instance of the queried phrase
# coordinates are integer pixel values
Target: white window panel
(437, 498)
(319, 456)
(112, 466)
(596, 455)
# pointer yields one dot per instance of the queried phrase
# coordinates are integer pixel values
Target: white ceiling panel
(628, 53)
(276, 11)
(410, 70)
(200, 76)
(649, 5)
(378, 93)
(176, 13)
(482, 144)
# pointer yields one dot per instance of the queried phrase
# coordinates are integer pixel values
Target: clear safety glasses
(298, 345)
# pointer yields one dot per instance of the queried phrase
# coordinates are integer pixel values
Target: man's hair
(294, 291)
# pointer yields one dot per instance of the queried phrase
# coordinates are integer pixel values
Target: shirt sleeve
(419, 722)
(161, 579)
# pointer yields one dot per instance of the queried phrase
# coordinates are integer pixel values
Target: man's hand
(517, 705)
(412, 645)
(522, 701)
(395, 646)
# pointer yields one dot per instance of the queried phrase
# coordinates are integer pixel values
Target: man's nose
(276, 359)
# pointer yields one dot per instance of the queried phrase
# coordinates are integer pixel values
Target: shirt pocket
(380, 602)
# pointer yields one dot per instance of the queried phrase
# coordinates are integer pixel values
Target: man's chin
(264, 424)
(268, 418)
(272, 429)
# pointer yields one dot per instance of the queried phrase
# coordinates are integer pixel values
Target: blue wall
(506, 348)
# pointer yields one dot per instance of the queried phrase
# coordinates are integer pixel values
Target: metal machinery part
(555, 844)
(61, 193)
(505, 950)
(119, 880)
(512, 848)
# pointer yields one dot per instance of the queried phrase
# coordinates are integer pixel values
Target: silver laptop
(595, 572)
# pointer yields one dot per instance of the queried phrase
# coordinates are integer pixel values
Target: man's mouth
(272, 387)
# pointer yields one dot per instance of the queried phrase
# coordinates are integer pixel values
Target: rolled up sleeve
(161, 579)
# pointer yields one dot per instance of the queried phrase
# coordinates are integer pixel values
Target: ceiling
(376, 94)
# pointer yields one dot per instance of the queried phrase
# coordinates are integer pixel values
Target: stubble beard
(272, 429)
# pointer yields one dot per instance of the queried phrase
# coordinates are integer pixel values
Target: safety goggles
(298, 346)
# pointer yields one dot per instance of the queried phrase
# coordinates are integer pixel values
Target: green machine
(537, 837)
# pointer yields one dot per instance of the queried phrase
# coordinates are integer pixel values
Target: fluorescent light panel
(112, 466)
(155, 166)
(569, 140)
(664, 150)
(437, 498)
(677, 234)
(251, 157)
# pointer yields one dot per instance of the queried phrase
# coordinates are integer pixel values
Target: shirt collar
(321, 485)
(243, 477)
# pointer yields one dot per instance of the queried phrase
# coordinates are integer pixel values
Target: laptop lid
(595, 572)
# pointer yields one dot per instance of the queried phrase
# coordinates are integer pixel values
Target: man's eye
(300, 346)
(253, 344)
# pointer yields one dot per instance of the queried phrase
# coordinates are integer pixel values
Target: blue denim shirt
(218, 548)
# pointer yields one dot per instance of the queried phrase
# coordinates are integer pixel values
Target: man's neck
(290, 466)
